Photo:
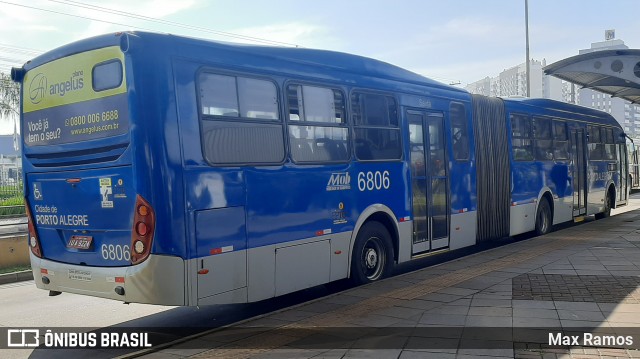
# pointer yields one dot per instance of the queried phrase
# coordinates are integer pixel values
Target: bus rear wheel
(372, 254)
(544, 220)
(606, 212)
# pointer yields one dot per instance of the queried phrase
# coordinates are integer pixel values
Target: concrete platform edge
(16, 277)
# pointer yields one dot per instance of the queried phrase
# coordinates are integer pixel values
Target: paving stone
(289, 354)
(570, 323)
(448, 345)
(608, 308)
(488, 321)
(521, 322)
(620, 317)
(535, 313)
(419, 304)
(490, 311)
(374, 321)
(451, 309)
(574, 288)
(580, 315)
(441, 297)
(295, 315)
(401, 312)
(372, 353)
(443, 319)
(463, 301)
(594, 307)
(411, 354)
(490, 303)
(458, 291)
(533, 304)
(499, 352)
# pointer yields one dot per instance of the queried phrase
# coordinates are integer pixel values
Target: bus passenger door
(635, 168)
(623, 173)
(579, 169)
(429, 179)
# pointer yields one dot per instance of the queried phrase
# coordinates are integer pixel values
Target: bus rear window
(107, 75)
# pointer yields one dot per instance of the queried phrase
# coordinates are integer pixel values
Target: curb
(16, 277)
(15, 235)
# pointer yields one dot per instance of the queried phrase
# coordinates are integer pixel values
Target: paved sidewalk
(501, 303)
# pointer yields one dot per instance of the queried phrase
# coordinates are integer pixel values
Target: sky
(453, 41)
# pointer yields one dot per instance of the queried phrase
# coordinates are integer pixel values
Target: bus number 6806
(115, 252)
(373, 180)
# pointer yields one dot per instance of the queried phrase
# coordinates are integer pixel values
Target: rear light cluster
(144, 222)
(34, 241)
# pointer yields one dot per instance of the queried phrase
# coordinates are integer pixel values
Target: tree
(9, 97)
(10, 104)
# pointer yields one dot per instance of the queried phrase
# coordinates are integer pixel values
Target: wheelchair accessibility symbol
(37, 191)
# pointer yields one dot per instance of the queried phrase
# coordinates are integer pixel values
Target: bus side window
(219, 95)
(595, 143)
(240, 120)
(560, 142)
(543, 142)
(317, 124)
(521, 138)
(609, 147)
(376, 133)
(459, 132)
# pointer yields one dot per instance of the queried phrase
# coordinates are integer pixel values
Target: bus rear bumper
(157, 280)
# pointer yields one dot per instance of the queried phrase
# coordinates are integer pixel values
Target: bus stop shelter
(614, 72)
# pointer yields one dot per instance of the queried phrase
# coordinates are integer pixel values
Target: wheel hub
(543, 223)
(371, 258)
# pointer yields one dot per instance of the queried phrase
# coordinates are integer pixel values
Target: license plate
(79, 275)
(80, 242)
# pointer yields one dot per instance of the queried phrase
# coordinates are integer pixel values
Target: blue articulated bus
(177, 171)
(634, 165)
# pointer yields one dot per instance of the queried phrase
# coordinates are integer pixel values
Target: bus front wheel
(606, 212)
(544, 220)
(372, 254)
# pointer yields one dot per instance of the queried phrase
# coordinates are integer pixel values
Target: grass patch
(15, 269)
(11, 189)
(11, 210)
(12, 206)
(12, 201)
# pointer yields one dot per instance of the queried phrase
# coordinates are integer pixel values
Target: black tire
(372, 254)
(544, 220)
(606, 212)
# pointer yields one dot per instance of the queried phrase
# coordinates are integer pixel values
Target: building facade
(513, 82)
(10, 161)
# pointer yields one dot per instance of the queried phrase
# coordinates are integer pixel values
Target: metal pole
(526, 25)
